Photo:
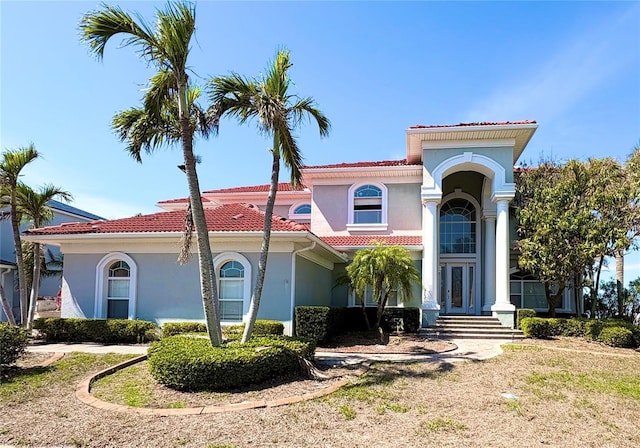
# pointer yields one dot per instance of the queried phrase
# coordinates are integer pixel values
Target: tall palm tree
(32, 205)
(165, 47)
(279, 113)
(12, 163)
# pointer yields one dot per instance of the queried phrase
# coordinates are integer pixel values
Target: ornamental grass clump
(191, 363)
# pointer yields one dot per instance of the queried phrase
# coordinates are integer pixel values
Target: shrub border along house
(261, 327)
(13, 342)
(190, 363)
(108, 331)
(613, 332)
(323, 322)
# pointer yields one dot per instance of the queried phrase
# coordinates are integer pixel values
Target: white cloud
(576, 69)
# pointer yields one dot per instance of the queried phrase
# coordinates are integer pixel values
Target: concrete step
(470, 327)
(453, 335)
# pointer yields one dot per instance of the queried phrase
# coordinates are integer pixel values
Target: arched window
(300, 212)
(303, 209)
(458, 227)
(367, 207)
(234, 285)
(116, 277)
(118, 286)
(231, 291)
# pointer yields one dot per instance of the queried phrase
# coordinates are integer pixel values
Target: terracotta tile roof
(402, 162)
(368, 240)
(181, 200)
(480, 123)
(264, 188)
(225, 218)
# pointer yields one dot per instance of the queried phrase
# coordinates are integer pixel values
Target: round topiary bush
(617, 337)
(191, 363)
(13, 342)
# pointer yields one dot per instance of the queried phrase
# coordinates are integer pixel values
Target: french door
(457, 287)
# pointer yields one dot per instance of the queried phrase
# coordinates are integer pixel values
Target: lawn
(562, 398)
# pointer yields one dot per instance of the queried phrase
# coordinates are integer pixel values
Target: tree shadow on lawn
(387, 373)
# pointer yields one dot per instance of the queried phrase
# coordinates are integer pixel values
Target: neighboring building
(447, 202)
(49, 286)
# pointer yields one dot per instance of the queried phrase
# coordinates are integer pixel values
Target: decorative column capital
(430, 195)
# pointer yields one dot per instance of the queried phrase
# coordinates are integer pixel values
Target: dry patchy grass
(564, 398)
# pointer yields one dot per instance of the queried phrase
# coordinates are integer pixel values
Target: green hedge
(13, 342)
(617, 337)
(191, 363)
(544, 328)
(536, 327)
(322, 322)
(261, 327)
(523, 313)
(109, 331)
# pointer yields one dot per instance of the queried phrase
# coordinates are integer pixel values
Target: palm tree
(166, 115)
(32, 205)
(279, 113)
(12, 163)
(383, 269)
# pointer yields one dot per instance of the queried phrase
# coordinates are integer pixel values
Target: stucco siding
(79, 285)
(313, 284)
(503, 156)
(329, 212)
(404, 209)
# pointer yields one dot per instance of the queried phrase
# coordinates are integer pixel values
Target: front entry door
(459, 281)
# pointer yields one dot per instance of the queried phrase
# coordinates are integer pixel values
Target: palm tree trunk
(19, 259)
(620, 281)
(5, 304)
(266, 237)
(595, 288)
(208, 285)
(35, 286)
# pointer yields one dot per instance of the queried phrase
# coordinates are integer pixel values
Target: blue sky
(374, 68)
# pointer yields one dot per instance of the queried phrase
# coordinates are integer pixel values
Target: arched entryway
(459, 249)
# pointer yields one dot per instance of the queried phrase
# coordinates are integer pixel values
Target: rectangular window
(231, 298)
(231, 310)
(117, 309)
(118, 288)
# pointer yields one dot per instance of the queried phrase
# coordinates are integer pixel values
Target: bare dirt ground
(584, 398)
(370, 343)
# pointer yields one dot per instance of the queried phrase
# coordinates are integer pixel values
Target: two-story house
(447, 202)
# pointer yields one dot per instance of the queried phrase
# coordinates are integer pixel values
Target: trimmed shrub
(536, 327)
(617, 337)
(314, 322)
(556, 326)
(174, 328)
(321, 322)
(109, 331)
(574, 327)
(261, 327)
(13, 342)
(523, 313)
(191, 363)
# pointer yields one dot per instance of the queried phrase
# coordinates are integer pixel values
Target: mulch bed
(397, 344)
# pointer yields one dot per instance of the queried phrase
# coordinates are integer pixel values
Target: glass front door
(458, 287)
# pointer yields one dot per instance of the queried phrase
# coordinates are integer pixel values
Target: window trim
(102, 278)
(218, 262)
(383, 224)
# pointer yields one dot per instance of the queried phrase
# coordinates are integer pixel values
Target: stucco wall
(167, 291)
(313, 283)
(330, 212)
(503, 156)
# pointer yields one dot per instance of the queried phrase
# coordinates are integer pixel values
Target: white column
(430, 305)
(503, 302)
(489, 262)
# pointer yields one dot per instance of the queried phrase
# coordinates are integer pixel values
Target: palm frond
(99, 26)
